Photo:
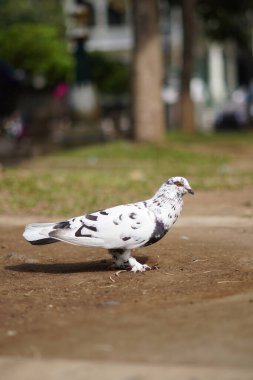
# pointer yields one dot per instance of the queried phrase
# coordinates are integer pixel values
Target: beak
(190, 191)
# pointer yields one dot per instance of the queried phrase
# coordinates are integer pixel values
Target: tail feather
(43, 241)
(38, 234)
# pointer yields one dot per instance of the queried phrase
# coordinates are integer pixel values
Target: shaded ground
(59, 301)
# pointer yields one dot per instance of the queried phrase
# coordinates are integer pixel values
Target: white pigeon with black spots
(121, 228)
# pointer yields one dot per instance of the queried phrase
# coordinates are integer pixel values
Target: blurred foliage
(109, 74)
(32, 38)
(38, 50)
(47, 11)
(227, 19)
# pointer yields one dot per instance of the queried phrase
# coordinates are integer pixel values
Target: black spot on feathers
(135, 227)
(91, 217)
(62, 225)
(83, 228)
(44, 241)
(103, 212)
(92, 228)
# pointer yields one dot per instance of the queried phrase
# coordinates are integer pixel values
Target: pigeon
(121, 228)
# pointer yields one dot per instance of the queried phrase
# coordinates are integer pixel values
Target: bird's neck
(163, 201)
(167, 196)
(166, 205)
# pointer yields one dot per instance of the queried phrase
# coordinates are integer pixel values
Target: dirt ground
(64, 302)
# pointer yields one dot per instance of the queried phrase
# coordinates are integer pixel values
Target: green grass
(73, 181)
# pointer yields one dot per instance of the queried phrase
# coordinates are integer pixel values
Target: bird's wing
(125, 226)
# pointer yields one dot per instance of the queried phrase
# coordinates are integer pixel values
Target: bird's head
(174, 187)
(180, 184)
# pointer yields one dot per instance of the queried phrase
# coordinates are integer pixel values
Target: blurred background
(75, 72)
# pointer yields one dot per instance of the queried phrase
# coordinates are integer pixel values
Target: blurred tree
(187, 107)
(32, 38)
(109, 74)
(222, 20)
(231, 20)
(148, 111)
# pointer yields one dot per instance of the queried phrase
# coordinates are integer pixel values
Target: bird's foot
(124, 266)
(135, 266)
(140, 268)
(132, 265)
(144, 268)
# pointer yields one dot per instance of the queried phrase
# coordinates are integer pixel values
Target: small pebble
(11, 332)
(184, 237)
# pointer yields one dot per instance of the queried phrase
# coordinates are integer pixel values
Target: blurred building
(109, 23)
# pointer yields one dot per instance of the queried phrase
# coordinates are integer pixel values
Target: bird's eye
(178, 183)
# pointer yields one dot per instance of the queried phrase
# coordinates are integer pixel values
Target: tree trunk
(148, 109)
(187, 106)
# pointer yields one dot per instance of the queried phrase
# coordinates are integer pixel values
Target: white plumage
(121, 228)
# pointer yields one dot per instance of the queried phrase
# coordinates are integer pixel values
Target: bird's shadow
(60, 268)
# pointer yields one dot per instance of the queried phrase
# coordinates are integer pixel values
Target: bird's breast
(159, 231)
(167, 216)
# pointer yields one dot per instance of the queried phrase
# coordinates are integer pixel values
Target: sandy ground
(64, 313)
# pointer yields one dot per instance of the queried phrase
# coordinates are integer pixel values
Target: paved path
(30, 369)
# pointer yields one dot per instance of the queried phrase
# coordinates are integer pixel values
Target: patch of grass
(220, 138)
(74, 181)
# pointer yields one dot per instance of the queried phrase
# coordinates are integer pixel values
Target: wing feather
(126, 226)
